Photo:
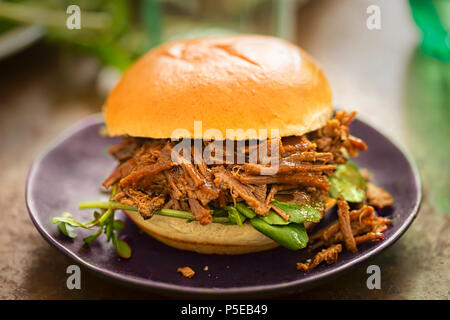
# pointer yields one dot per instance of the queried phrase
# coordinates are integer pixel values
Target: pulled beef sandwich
(210, 204)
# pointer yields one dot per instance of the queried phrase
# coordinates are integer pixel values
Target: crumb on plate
(187, 272)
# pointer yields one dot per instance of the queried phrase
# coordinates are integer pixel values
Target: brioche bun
(211, 238)
(227, 82)
(243, 82)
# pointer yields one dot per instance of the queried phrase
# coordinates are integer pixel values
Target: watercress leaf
(67, 218)
(67, 230)
(93, 236)
(123, 249)
(69, 221)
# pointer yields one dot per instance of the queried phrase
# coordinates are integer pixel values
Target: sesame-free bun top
(226, 82)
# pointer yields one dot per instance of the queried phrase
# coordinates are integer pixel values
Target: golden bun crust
(227, 82)
(214, 238)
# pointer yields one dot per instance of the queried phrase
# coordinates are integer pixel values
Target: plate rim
(175, 289)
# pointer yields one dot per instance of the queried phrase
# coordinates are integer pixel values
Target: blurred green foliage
(427, 103)
(108, 28)
(119, 31)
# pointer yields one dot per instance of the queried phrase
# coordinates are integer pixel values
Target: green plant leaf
(245, 210)
(348, 182)
(109, 230)
(221, 212)
(235, 216)
(67, 230)
(118, 225)
(274, 218)
(67, 224)
(93, 236)
(122, 248)
(292, 236)
(299, 213)
(67, 218)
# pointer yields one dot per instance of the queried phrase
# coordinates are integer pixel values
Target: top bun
(227, 82)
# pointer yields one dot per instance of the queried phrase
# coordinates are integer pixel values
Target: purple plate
(72, 169)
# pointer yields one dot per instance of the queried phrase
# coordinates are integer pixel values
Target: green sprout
(105, 222)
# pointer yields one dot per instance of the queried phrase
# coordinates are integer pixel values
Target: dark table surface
(380, 73)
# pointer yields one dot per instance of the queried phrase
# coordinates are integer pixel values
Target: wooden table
(379, 73)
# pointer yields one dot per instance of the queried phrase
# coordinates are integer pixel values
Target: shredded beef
(378, 197)
(362, 221)
(187, 272)
(146, 204)
(344, 224)
(310, 156)
(226, 181)
(360, 226)
(370, 236)
(335, 137)
(200, 213)
(121, 171)
(260, 192)
(150, 176)
(298, 144)
(355, 215)
(312, 180)
(289, 167)
(329, 255)
(126, 149)
(143, 175)
(273, 191)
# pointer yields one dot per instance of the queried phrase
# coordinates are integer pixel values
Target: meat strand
(329, 255)
(378, 197)
(225, 180)
(200, 213)
(344, 225)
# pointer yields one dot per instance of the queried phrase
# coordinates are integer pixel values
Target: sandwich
(230, 145)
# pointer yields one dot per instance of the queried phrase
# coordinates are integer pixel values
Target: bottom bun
(212, 238)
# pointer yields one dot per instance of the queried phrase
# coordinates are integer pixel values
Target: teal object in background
(427, 110)
(428, 99)
(433, 19)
